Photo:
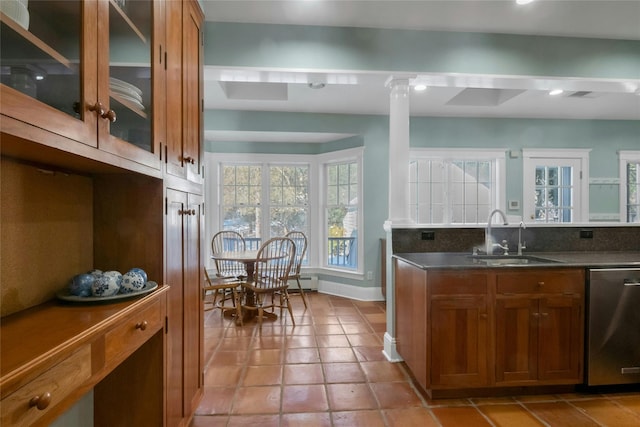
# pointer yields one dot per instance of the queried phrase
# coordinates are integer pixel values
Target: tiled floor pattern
(329, 370)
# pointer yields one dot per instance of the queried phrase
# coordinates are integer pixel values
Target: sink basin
(508, 260)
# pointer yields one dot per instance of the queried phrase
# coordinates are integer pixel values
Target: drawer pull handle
(41, 402)
(142, 325)
(540, 283)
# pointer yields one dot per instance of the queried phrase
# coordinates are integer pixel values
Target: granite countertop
(428, 260)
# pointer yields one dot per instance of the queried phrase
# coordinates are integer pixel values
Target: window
(289, 199)
(630, 186)
(265, 195)
(455, 186)
(341, 213)
(554, 190)
(243, 209)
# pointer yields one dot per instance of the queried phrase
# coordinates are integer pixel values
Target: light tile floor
(329, 370)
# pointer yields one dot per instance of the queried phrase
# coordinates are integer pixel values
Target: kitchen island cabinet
(539, 327)
(473, 330)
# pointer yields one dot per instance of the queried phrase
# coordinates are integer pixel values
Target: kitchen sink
(509, 260)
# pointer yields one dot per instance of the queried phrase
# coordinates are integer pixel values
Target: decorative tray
(64, 295)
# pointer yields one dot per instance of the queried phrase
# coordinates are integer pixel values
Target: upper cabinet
(184, 91)
(91, 71)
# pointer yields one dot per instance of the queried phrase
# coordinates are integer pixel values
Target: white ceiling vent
(255, 91)
(581, 94)
(481, 97)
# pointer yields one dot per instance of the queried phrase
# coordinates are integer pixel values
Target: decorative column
(398, 194)
(399, 151)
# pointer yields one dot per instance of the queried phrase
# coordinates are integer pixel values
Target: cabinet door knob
(98, 108)
(540, 283)
(189, 159)
(110, 115)
(142, 325)
(41, 402)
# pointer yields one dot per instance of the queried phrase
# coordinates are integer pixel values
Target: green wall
(316, 47)
(333, 48)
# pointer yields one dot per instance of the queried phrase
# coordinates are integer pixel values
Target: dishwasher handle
(631, 282)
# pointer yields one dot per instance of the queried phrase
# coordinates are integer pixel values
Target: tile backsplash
(537, 239)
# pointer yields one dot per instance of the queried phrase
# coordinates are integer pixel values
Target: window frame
(352, 155)
(557, 157)
(317, 231)
(625, 157)
(496, 155)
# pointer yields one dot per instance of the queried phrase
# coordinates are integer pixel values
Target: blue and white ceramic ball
(95, 272)
(142, 273)
(132, 281)
(81, 285)
(107, 285)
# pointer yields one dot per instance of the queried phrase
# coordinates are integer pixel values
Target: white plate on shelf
(126, 92)
(17, 11)
(64, 295)
(113, 82)
(120, 96)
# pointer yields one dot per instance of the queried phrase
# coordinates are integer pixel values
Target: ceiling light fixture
(523, 2)
(420, 87)
(555, 92)
(316, 85)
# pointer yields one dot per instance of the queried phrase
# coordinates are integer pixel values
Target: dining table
(249, 259)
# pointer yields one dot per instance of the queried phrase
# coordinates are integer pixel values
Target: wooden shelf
(35, 41)
(124, 20)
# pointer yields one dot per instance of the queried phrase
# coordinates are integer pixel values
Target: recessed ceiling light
(420, 87)
(521, 2)
(555, 92)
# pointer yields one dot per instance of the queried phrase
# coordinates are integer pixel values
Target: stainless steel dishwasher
(613, 326)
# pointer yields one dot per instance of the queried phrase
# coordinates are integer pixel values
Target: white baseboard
(349, 291)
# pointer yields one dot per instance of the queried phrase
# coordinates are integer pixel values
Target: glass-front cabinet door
(45, 77)
(126, 78)
(85, 70)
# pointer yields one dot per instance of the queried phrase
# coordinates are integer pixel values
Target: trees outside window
(555, 185)
(630, 186)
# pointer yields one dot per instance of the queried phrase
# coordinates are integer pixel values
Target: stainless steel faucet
(521, 244)
(488, 243)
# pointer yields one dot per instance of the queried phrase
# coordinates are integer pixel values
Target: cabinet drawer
(30, 402)
(131, 333)
(555, 281)
(455, 283)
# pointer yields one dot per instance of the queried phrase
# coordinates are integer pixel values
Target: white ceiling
(447, 95)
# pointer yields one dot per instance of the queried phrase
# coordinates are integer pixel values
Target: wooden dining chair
(300, 240)
(270, 277)
(228, 241)
(215, 285)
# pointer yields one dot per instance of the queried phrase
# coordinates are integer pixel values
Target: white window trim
(448, 154)
(625, 157)
(581, 154)
(342, 156)
(213, 162)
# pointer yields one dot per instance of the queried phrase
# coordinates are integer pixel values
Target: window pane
(633, 187)
(342, 215)
(457, 187)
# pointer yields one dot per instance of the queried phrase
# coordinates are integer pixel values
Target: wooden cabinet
(184, 91)
(77, 65)
(411, 319)
(480, 328)
(83, 347)
(459, 310)
(185, 351)
(539, 327)
(88, 72)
